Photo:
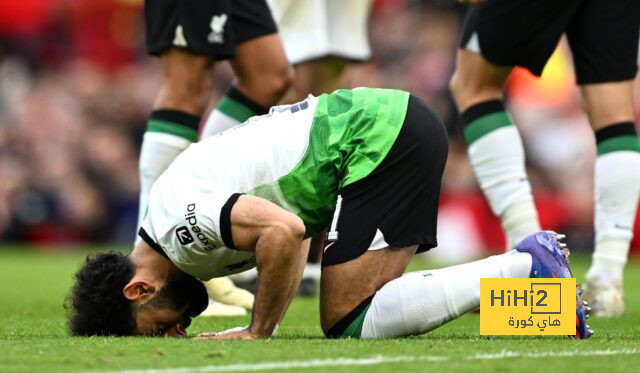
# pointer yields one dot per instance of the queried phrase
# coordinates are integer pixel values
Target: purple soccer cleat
(549, 260)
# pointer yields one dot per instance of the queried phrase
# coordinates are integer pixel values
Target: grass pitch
(33, 337)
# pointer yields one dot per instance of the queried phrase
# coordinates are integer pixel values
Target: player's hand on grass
(240, 332)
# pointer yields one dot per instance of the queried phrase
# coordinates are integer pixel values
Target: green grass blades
(33, 337)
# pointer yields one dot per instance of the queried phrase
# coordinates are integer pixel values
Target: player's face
(161, 322)
(170, 311)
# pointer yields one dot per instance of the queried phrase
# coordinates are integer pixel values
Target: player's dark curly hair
(96, 304)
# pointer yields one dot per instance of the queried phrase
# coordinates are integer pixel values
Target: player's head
(107, 299)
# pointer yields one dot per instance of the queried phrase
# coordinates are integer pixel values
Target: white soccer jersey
(194, 189)
(297, 156)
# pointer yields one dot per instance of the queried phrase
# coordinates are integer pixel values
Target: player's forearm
(277, 255)
(300, 264)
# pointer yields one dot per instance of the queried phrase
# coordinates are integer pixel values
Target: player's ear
(137, 290)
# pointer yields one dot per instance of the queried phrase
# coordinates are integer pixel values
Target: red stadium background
(76, 86)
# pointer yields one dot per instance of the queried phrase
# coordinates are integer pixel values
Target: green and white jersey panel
(297, 156)
(352, 132)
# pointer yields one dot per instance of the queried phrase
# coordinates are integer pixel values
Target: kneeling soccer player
(365, 163)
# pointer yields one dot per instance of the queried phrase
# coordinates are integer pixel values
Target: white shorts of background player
(312, 29)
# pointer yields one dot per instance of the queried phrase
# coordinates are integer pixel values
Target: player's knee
(278, 82)
(283, 80)
(467, 90)
(455, 85)
(297, 227)
(463, 88)
(269, 86)
(290, 226)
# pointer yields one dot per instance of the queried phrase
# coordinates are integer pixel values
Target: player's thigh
(344, 286)
(260, 64)
(608, 103)
(262, 70)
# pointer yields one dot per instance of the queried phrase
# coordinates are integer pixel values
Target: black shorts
(603, 35)
(205, 27)
(396, 205)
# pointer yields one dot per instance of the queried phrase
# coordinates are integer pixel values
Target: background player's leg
(173, 125)
(412, 304)
(318, 76)
(263, 75)
(313, 33)
(617, 187)
(495, 146)
(184, 93)
(323, 75)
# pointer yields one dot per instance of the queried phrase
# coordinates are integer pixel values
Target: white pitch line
(375, 360)
(505, 354)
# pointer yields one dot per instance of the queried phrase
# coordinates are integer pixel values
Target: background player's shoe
(222, 290)
(248, 280)
(605, 296)
(217, 309)
(308, 287)
(549, 260)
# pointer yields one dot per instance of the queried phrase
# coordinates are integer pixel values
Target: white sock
(216, 123)
(617, 188)
(519, 220)
(157, 152)
(245, 276)
(312, 271)
(422, 301)
(498, 161)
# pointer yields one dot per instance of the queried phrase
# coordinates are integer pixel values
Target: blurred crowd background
(76, 87)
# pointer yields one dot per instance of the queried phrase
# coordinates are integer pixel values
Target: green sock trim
(155, 125)
(485, 124)
(620, 143)
(354, 330)
(235, 109)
